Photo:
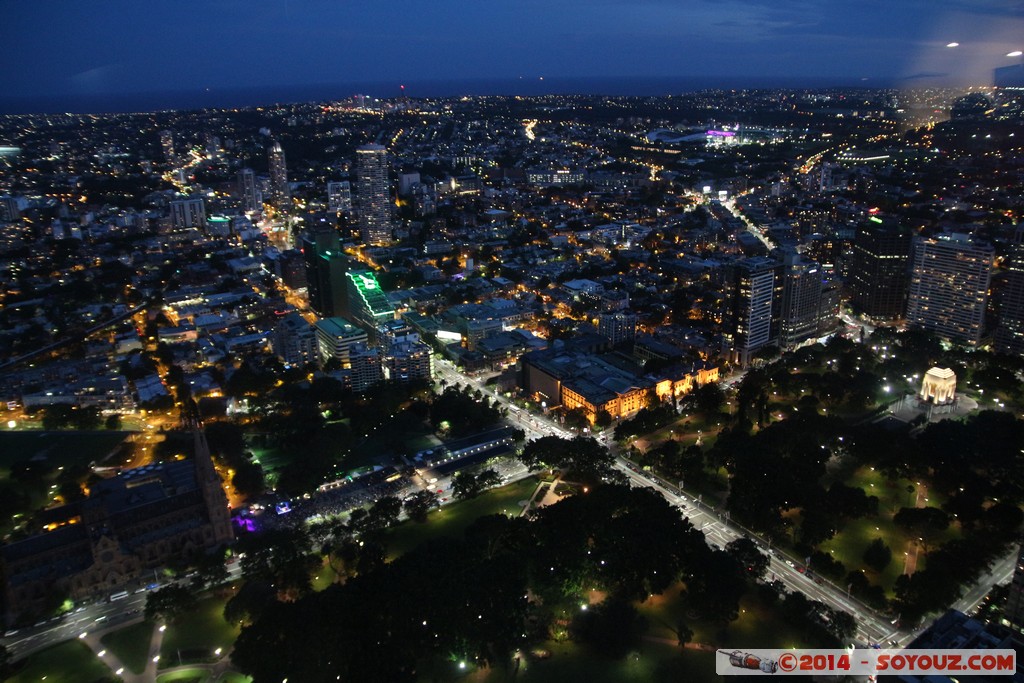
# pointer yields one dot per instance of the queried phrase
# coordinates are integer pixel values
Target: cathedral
(131, 524)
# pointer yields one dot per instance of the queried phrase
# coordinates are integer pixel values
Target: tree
(877, 555)
(210, 570)
(169, 602)
(582, 458)
(465, 486)
(249, 479)
(708, 398)
(613, 628)
(922, 521)
(383, 513)
(603, 419)
(746, 553)
(248, 603)
(5, 663)
(113, 422)
(419, 504)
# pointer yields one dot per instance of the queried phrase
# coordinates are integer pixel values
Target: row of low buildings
(584, 373)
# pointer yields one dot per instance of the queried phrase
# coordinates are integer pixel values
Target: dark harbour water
(281, 94)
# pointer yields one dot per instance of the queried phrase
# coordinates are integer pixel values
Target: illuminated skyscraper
(339, 196)
(279, 176)
(799, 314)
(252, 199)
(948, 289)
(878, 269)
(756, 304)
(167, 143)
(1010, 334)
(367, 303)
(374, 195)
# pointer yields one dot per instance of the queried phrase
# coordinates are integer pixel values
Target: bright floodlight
(1015, 53)
(952, 44)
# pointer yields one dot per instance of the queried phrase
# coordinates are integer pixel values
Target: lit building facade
(800, 306)
(617, 327)
(294, 340)
(336, 337)
(938, 386)
(367, 303)
(374, 194)
(1009, 336)
(188, 213)
(248, 191)
(948, 289)
(878, 269)
(279, 176)
(756, 305)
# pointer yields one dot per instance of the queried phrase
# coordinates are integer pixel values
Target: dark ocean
(247, 97)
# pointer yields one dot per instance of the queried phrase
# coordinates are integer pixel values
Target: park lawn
(184, 676)
(59, 448)
(198, 633)
(69, 662)
(758, 624)
(324, 576)
(131, 644)
(233, 677)
(402, 434)
(849, 544)
(653, 662)
(452, 519)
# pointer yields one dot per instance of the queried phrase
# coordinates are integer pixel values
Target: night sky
(127, 46)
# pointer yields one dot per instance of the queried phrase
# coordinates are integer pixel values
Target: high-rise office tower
(188, 213)
(755, 305)
(248, 190)
(339, 196)
(279, 176)
(801, 300)
(1010, 333)
(326, 266)
(167, 143)
(878, 269)
(367, 303)
(948, 289)
(374, 196)
(9, 209)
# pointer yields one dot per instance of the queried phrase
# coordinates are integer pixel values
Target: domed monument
(938, 386)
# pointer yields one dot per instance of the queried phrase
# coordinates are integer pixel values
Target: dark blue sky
(60, 48)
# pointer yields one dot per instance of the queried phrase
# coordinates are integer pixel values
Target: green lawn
(59, 448)
(324, 576)
(232, 677)
(70, 662)
(849, 544)
(757, 625)
(185, 676)
(131, 644)
(653, 662)
(197, 634)
(452, 519)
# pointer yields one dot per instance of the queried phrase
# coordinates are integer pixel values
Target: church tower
(209, 481)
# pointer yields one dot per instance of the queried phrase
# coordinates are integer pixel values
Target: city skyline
(273, 44)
